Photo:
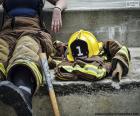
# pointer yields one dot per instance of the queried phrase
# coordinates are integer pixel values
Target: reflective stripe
(57, 61)
(33, 67)
(105, 57)
(88, 69)
(26, 89)
(68, 68)
(92, 70)
(124, 51)
(2, 69)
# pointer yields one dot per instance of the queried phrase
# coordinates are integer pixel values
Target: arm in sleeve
(118, 53)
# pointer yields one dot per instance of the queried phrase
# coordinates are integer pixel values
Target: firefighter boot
(18, 91)
(14, 97)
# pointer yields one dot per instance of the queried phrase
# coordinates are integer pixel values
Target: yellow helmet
(82, 43)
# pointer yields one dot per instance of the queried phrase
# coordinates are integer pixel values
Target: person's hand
(56, 20)
(117, 73)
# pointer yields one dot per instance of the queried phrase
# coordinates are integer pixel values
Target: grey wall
(121, 25)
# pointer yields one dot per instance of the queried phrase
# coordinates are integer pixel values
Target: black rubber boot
(14, 97)
(21, 75)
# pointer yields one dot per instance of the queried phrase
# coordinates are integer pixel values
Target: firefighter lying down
(87, 59)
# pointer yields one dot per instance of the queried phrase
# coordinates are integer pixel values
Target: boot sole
(10, 95)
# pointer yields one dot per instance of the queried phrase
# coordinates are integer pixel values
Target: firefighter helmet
(82, 43)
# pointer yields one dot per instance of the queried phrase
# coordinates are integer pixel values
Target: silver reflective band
(25, 88)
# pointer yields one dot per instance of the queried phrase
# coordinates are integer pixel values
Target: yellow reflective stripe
(34, 68)
(68, 68)
(99, 72)
(2, 69)
(92, 70)
(105, 57)
(57, 62)
(88, 69)
(85, 71)
(124, 51)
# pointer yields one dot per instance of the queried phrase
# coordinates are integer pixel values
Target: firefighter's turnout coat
(95, 67)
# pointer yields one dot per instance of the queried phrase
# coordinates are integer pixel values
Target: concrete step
(100, 4)
(84, 98)
(106, 19)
